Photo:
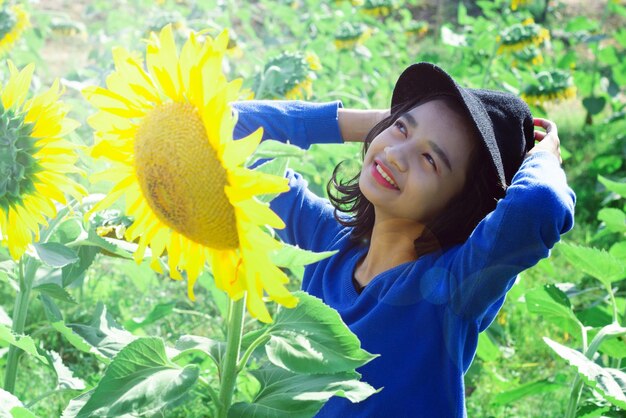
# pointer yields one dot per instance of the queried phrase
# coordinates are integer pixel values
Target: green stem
(20, 311)
(486, 72)
(258, 342)
(228, 377)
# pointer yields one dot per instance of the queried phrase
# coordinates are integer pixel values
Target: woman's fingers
(548, 125)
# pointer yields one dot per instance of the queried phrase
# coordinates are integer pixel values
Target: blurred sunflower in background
(549, 86)
(350, 35)
(168, 133)
(35, 160)
(378, 8)
(289, 75)
(520, 36)
(13, 21)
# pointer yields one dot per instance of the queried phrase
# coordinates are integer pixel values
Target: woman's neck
(391, 244)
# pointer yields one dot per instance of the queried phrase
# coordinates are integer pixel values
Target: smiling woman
(425, 251)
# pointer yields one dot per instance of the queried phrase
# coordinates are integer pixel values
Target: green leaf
(605, 381)
(312, 338)
(24, 342)
(294, 258)
(160, 311)
(205, 346)
(594, 105)
(73, 272)
(528, 389)
(613, 186)
(290, 395)
(55, 317)
(487, 350)
(55, 291)
(139, 381)
(554, 305)
(614, 219)
(12, 407)
(272, 149)
(594, 262)
(55, 254)
(65, 377)
(103, 333)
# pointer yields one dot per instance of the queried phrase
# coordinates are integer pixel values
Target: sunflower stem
(228, 377)
(26, 272)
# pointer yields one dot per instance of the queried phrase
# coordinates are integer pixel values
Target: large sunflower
(34, 160)
(168, 132)
(13, 21)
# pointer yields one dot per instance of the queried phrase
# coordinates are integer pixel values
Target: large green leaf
(554, 305)
(596, 263)
(140, 381)
(288, 395)
(599, 378)
(104, 333)
(12, 407)
(24, 342)
(312, 338)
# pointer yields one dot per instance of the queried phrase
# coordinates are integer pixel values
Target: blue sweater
(423, 317)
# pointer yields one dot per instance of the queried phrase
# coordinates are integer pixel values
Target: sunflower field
(139, 273)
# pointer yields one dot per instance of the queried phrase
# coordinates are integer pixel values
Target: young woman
(453, 200)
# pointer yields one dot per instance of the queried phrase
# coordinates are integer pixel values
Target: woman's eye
(400, 126)
(430, 160)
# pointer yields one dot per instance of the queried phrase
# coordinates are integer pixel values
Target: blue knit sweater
(422, 317)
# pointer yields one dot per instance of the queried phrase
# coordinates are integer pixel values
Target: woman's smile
(383, 175)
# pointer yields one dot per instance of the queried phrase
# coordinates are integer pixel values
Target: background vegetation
(568, 63)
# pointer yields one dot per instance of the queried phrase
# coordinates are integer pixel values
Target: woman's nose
(395, 157)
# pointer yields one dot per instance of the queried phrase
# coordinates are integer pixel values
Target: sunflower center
(182, 177)
(17, 162)
(7, 21)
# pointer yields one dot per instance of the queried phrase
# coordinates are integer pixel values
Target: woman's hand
(355, 124)
(548, 140)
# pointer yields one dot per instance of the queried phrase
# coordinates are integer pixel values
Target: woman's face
(416, 166)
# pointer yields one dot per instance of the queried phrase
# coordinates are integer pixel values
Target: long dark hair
(454, 224)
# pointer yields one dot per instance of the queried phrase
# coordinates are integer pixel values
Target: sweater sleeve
(308, 218)
(538, 207)
(297, 122)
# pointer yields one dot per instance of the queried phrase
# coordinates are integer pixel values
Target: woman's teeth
(385, 176)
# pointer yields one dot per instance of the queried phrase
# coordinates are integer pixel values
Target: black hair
(458, 219)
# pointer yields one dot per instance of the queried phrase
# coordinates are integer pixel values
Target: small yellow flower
(35, 160)
(13, 21)
(168, 133)
(516, 3)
